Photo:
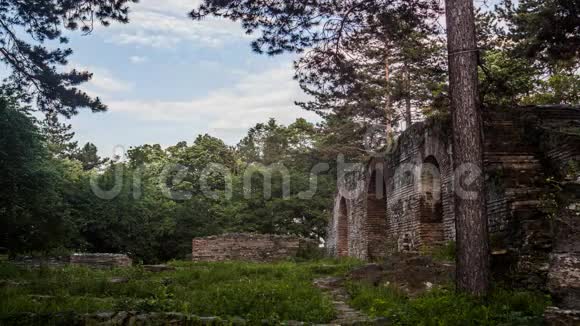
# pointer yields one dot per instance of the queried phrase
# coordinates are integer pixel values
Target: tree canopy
(26, 29)
(161, 197)
(363, 63)
(369, 63)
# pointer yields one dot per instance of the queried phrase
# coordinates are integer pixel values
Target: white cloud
(255, 98)
(166, 24)
(178, 7)
(103, 82)
(138, 59)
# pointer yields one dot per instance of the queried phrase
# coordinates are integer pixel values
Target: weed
(445, 307)
(255, 292)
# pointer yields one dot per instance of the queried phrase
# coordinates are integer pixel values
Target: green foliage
(529, 53)
(153, 227)
(58, 136)
(561, 87)
(88, 157)
(36, 74)
(544, 29)
(47, 198)
(444, 307)
(371, 63)
(446, 252)
(347, 49)
(275, 292)
(506, 80)
(31, 205)
(280, 291)
(374, 300)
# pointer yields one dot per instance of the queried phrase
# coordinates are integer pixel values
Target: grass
(279, 291)
(255, 292)
(445, 307)
(443, 253)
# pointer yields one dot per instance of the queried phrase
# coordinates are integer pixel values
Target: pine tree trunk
(473, 270)
(388, 113)
(408, 113)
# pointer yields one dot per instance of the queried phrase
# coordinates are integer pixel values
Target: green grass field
(444, 307)
(254, 292)
(280, 291)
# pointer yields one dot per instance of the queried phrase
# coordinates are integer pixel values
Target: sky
(167, 78)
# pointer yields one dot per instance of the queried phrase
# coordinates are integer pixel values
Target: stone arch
(342, 229)
(376, 215)
(431, 204)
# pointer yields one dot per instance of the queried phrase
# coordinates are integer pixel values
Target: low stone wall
(101, 260)
(89, 260)
(36, 262)
(248, 247)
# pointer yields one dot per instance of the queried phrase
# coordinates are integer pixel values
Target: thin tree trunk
(473, 270)
(388, 98)
(408, 113)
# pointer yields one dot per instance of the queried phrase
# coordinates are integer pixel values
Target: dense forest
(57, 196)
(377, 64)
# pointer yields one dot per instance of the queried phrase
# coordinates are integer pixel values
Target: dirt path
(346, 315)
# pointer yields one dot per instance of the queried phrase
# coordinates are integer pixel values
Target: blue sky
(167, 79)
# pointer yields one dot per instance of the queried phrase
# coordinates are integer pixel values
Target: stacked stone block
(247, 247)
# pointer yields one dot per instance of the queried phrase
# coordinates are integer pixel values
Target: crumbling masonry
(404, 200)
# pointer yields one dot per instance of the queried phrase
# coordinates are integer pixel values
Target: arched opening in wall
(342, 236)
(376, 223)
(431, 204)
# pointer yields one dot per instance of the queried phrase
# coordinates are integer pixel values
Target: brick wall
(382, 198)
(342, 230)
(247, 247)
(521, 149)
(376, 224)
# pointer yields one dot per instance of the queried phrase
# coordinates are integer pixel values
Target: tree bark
(408, 113)
(473, 267)
(388, 117)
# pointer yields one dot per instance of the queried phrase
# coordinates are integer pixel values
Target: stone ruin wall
(362, 206)
(515, 166)
(247, 247)
(523, 147)
(91, 260)
(564, 271)
(564, 258)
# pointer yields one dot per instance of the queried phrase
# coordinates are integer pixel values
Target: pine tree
(58, 136)
(332, 29)
(544, 29)
(473, 269)
(25, 26)
(88, 157)
(346, 46)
